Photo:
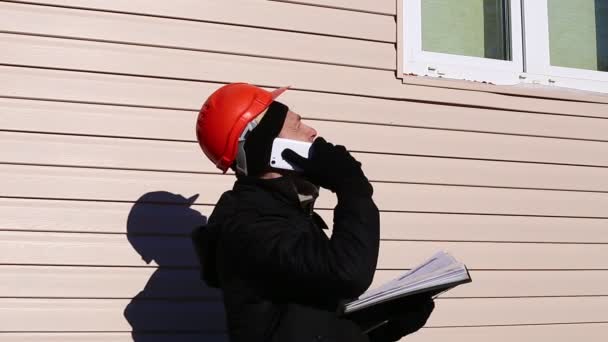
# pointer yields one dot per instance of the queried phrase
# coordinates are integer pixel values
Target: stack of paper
(438, 274)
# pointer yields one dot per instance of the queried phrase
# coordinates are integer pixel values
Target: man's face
(295, 129)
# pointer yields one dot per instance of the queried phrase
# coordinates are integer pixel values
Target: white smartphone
(279, 145)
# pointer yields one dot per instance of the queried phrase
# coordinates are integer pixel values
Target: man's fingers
(320, 140)
(293, 158)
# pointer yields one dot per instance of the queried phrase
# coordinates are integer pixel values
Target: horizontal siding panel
(273, 15)
(554, 333)
(112, 337)
(203, 66)
(478, 255)
(465, 312)
(103, 152)
(111, 315)
(432, 142)
(194, 35)
(387, 139)
(100, 217)
(71, 118)
(49, 149)
(58, 85)
(439, 227)
(387, 7)
(104, 282)
(50, 182)
(94, 250)
(89, 87)
(84, 249)
(521, 283)
(107, 315)
(113, 185)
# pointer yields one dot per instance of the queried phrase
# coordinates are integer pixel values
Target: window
(553, 42)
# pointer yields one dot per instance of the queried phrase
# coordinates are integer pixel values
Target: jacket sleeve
(300, 264)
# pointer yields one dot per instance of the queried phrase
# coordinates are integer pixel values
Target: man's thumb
(294, 159)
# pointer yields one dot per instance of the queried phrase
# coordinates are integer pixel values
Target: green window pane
(477, 28)
(578, 33)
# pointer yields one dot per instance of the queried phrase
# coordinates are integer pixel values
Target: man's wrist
(358, 187)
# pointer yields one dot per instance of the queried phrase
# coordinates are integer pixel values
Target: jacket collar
(293, 190)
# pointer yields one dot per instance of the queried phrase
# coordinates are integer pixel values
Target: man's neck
(306, 191)
(270, 175)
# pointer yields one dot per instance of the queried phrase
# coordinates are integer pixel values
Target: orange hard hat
(224, 117)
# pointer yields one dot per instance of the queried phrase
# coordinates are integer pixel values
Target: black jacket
(283, 279)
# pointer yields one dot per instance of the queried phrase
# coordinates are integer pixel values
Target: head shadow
(174, 304)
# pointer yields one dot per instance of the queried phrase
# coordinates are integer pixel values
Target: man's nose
(313, 134)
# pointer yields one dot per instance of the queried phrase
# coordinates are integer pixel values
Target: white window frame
(529, 49)
(538, 56)
(436, 64)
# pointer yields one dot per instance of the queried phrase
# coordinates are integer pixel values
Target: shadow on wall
(175, 304)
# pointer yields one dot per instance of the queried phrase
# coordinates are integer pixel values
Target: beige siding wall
(98, 100)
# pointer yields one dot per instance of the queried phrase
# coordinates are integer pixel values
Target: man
(283, 279)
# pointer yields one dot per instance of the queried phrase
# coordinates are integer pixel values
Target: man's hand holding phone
(302, 148)
(332, 167)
